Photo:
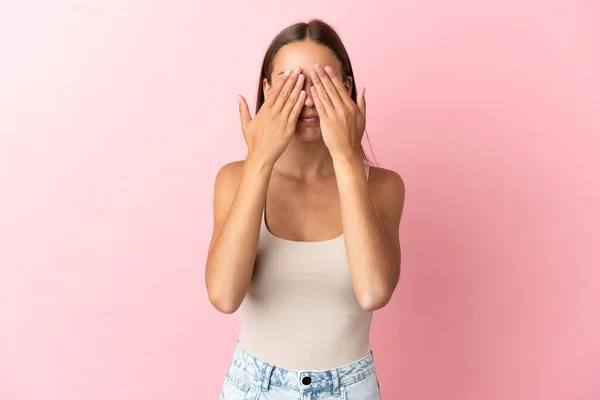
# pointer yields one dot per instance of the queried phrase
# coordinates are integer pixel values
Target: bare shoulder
(388, 190)
(386, 182)
(229, 173)
(226, 183)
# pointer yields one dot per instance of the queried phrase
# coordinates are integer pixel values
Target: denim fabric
(250, 378)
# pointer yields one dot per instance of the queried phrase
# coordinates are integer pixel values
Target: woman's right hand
(270, 132)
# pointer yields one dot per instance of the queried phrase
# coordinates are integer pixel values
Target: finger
(279, 84)
(291, 101)
(321, 93)
(297, 107)
(362, 103)
(336, 79)
(318, 103)
(286, 90)
(329, 87)
(244, 111)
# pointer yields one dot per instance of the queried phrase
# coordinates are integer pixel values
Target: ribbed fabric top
(300, 311)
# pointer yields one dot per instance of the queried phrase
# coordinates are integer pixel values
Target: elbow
(221, 292)
(374, 301)
(379, 293)
(377, 296)
(224, 304)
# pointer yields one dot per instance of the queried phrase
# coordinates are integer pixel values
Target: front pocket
(364, 389)
(234, 389)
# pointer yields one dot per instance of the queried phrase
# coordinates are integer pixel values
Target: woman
(305, 288)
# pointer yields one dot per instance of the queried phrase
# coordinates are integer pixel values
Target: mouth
(309, 119)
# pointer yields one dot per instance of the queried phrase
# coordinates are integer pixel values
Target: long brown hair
(319, 32)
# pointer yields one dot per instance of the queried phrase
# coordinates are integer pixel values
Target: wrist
(259, 162)
(347, 158)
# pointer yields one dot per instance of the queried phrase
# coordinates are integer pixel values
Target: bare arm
(240, 191)
(371, 218)
(371, 213)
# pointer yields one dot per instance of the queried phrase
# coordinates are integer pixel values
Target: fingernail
(288, 72)
(328, 69)
(318, 67)
(297, 70)
(313, 75)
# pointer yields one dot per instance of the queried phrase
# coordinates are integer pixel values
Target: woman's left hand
(342, 121)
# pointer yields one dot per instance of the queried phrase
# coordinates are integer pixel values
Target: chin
(308, 134)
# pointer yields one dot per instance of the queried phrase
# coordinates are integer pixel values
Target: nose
(308, 102)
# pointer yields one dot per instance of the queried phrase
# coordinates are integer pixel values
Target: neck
(305, 160)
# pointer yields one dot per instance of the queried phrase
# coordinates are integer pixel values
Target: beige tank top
(300, 311)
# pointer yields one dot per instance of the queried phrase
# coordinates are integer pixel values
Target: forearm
(230, 261)
(374, 266)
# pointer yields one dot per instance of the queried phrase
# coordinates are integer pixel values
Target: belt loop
(267, 378)
(336, 382)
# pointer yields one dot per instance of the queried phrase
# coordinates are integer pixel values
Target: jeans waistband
(309, 380)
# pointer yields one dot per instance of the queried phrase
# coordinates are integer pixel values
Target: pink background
(116, 115)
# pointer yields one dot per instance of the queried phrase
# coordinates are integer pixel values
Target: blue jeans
(250, 378)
